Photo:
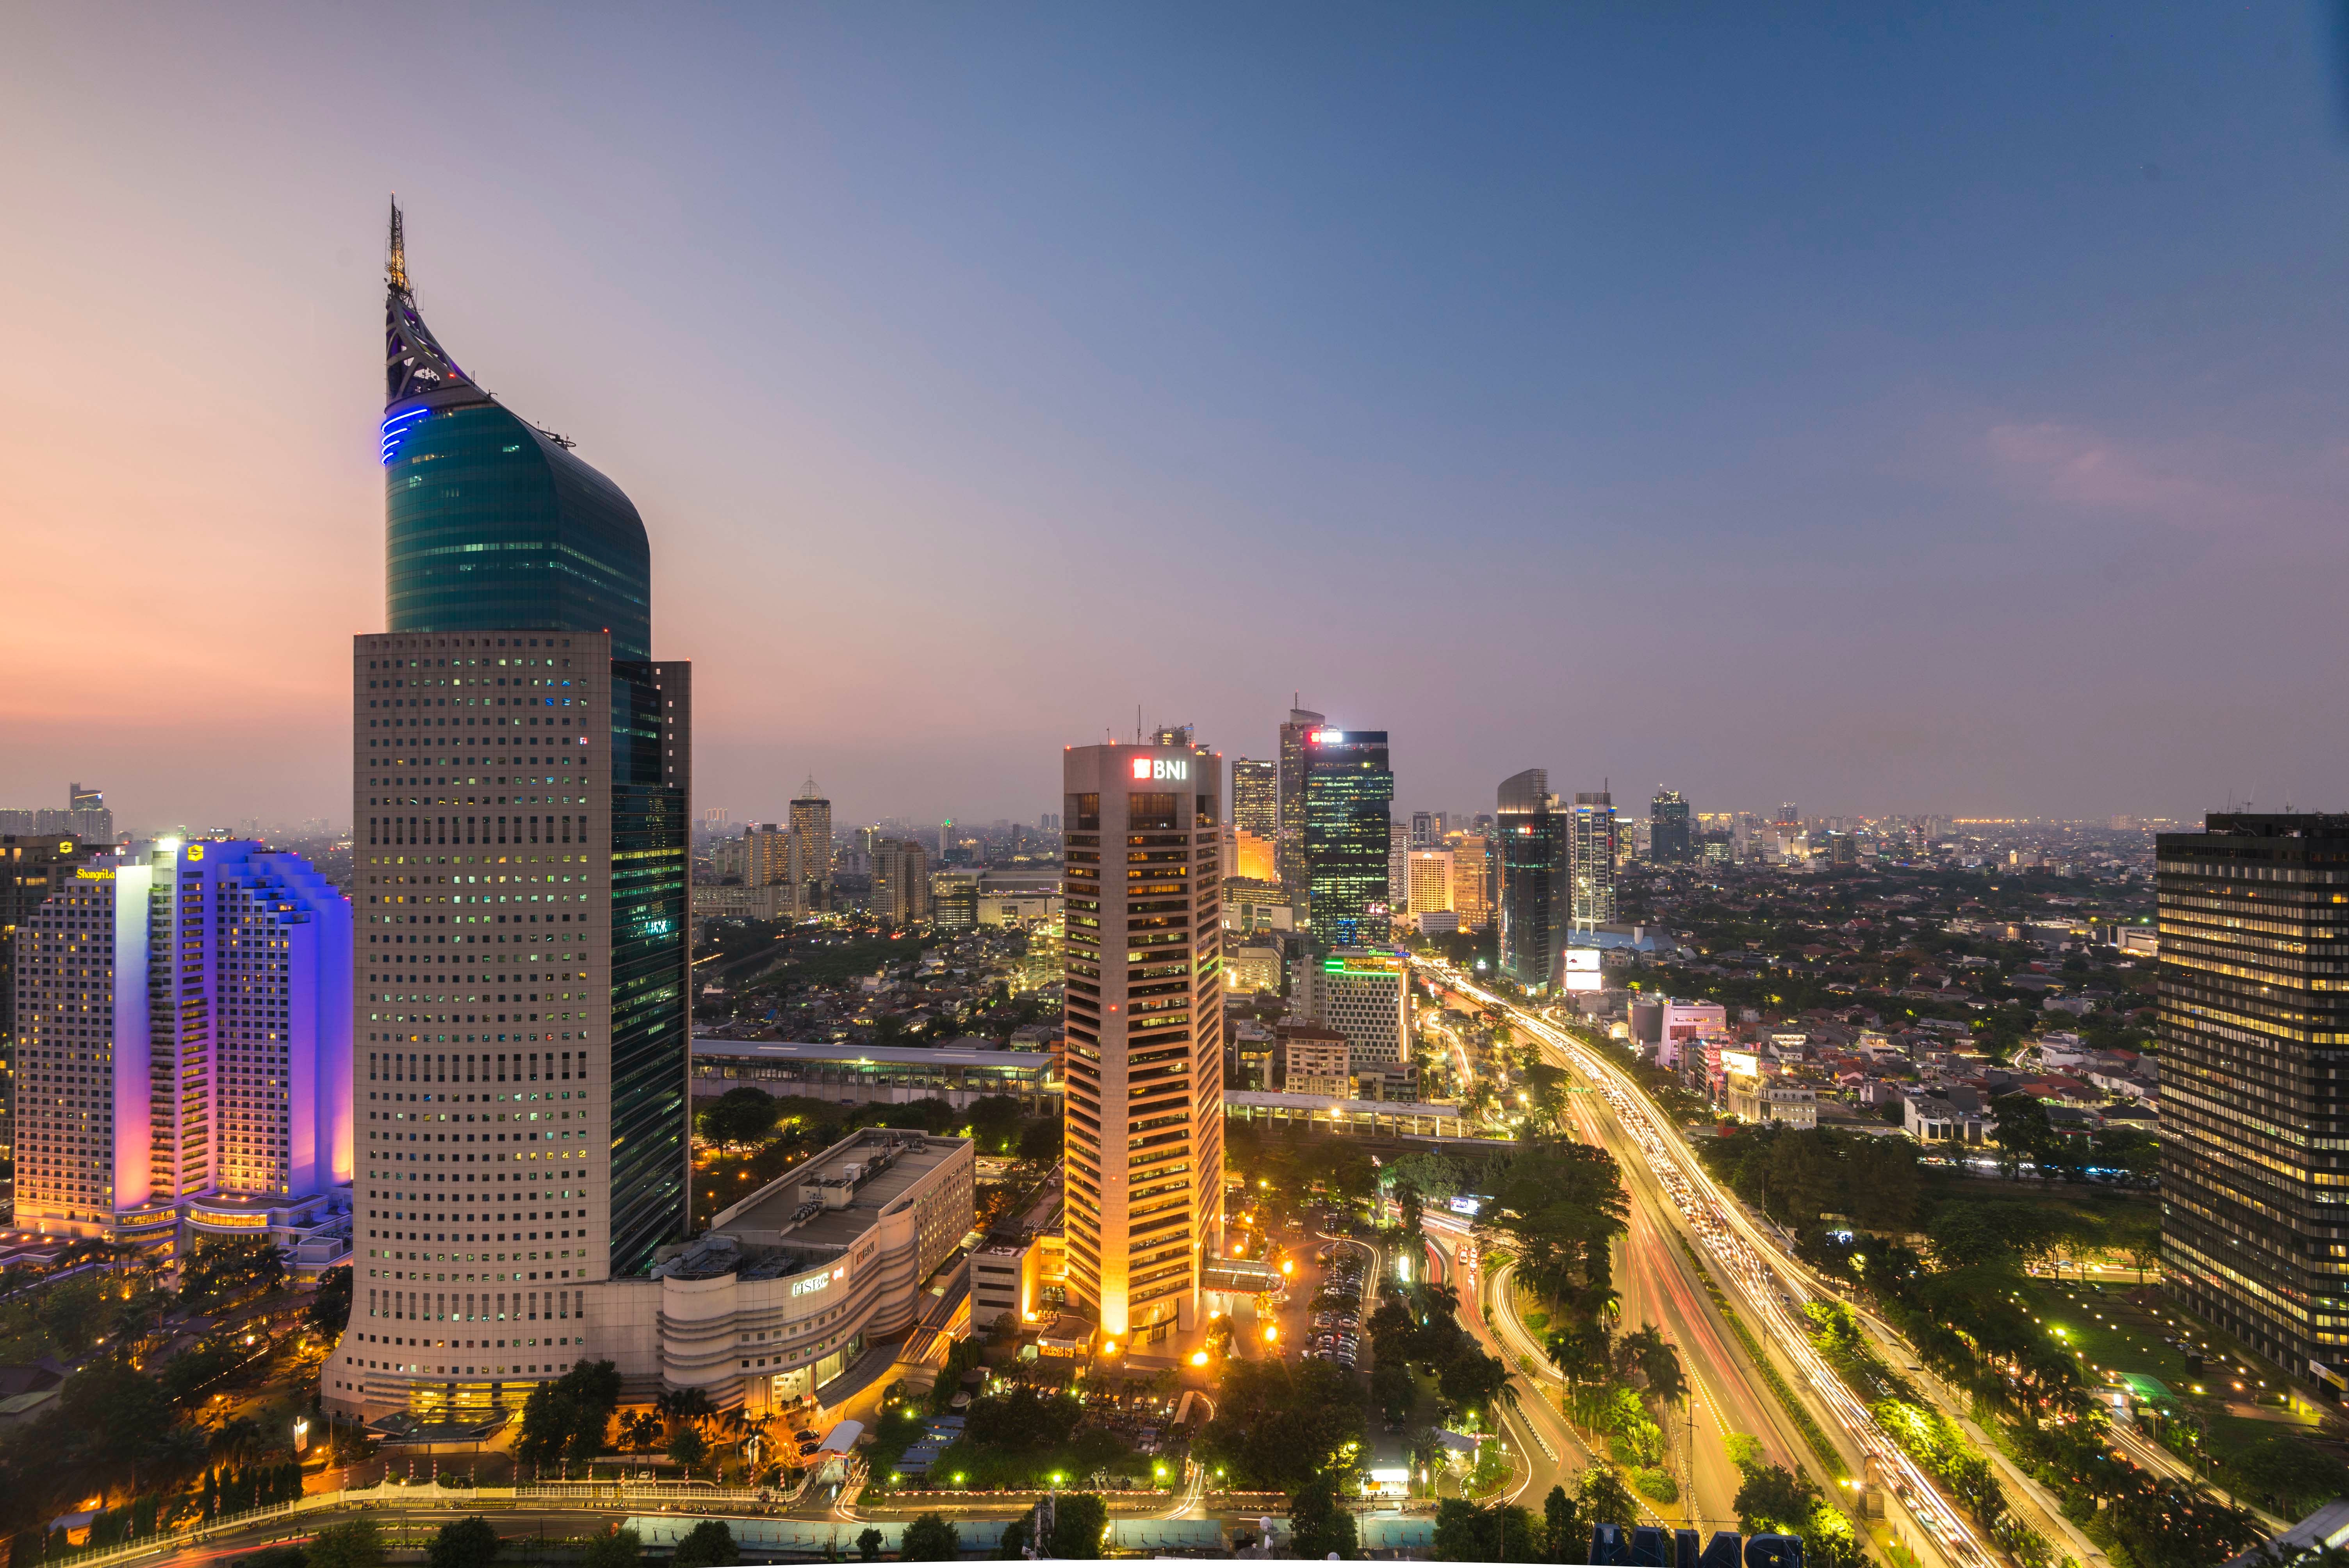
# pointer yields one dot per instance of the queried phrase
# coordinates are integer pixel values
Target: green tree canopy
(930, 1539)
(464, 1544)
(708, 1545)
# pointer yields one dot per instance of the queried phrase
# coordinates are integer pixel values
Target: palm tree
(641, 1431)
(683, 1405)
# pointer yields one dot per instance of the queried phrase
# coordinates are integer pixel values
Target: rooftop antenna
(1138, 724)
(395, 265)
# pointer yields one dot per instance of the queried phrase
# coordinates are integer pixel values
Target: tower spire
(414, 364)
(395, 265)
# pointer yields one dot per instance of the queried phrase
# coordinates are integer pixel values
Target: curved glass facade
(492, 525)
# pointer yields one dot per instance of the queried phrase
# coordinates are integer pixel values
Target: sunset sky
(1886, 409)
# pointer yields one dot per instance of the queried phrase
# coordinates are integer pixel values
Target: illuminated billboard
(1582, 969)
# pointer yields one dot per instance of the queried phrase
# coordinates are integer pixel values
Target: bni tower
(520, 769)
(1144, 1143)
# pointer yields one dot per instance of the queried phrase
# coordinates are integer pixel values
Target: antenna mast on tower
(394, 264)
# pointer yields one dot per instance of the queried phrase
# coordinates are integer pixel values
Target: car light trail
(1725, 1232)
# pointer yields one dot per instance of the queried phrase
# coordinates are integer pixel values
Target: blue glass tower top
(491, 522)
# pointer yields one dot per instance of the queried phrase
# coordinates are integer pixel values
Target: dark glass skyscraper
(1669, 840)
(1294, 880)
(522, 772)
(2255, 1082)
(1533, 886)
(1349, 789)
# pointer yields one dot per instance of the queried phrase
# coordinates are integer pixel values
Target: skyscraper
(1398, 866)
(1426, 830)
(1349, 789)
(812, 847)
(1431, 879)
(1472, 879)
(1145, 988)
(1670, 839)
(31, 868)
(1294, 879)
(522, 774)
(1534, 900)
(901, 881)
(1590, 858)
(184, 1017)
(1256, 797)
(2255, 1043)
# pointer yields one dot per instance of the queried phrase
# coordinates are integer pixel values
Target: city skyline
(1956, 505)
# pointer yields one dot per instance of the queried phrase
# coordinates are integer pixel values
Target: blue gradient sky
(1884, 408)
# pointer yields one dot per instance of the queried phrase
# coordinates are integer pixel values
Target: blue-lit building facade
(522, 779)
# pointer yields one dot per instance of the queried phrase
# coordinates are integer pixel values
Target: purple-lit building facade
(185, 1057)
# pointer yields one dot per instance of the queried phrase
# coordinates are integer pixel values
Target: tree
(566, 1420)
(1277, 1423)
(1079, 1522)
(464, 1544)
(621, 1548)
(1040, 1144)
(1605, 1499)
(1320, 1528)
(930, 1539)
(330, 1308)
(689, 1448)
(354, 1545)
(1775, 1499)
(1012, 1544)
(1466, 1533)
(744, 1115)
(1407, 1200)
(868, 1544)
(708, 1545)
(1660, 1367)
(1563, 1532)
(217, 1271)
(995, 1121)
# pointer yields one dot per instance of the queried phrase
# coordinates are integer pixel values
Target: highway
(1767, 1288)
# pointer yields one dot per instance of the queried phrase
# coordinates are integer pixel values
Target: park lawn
(2127, 1340)
(2112, 1216)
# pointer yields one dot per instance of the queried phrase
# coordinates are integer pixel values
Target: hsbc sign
(1161, 770)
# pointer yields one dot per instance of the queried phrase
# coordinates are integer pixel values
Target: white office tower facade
(1144, 1073)
(185, 1048)
(1365, 996)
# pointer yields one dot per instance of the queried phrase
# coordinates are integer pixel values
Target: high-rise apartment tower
(183, 1019)
(812, 849)
(1144, 984)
